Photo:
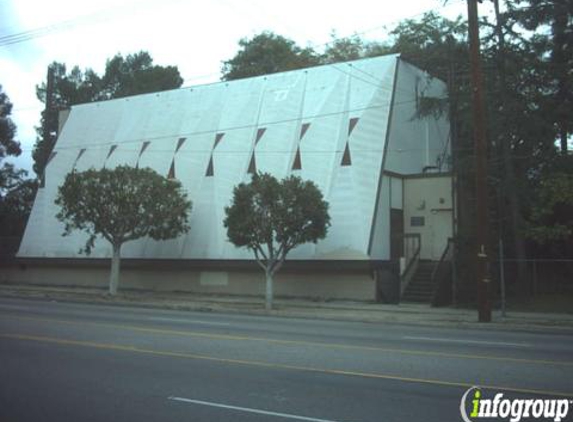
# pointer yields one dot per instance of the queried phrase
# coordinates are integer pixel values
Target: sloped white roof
(223, 129)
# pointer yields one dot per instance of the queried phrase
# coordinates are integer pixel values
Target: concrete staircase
(421, 289)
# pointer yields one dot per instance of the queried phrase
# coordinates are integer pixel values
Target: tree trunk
(114, 276)
(563, 138)
(269, 290)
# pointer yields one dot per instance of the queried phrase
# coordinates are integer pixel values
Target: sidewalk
(410, 314)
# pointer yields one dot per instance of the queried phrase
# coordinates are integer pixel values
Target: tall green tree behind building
(267, 53)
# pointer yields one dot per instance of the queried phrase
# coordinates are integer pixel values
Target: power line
(387, 24)
(104, 15)
(96, 17)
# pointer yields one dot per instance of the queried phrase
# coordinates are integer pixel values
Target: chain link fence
(542, 276)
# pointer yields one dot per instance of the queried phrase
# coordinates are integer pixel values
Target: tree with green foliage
(8, 145)
(352, 48)
(133, 74)
(550, 220)
(271, 217)
(16, 192)
(120, 205)
(549, 23)
(267, 53)
(16, 200)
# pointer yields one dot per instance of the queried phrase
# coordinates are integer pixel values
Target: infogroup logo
(513, 410)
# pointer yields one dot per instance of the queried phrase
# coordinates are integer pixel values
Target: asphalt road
(71, 362)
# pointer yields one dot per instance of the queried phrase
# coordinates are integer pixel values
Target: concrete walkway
(410, 314)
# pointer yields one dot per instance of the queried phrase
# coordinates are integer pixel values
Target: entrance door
(396, 234)
(440, 231)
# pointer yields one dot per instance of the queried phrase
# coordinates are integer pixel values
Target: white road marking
(450, 340)
(190, 321)
(249, 410)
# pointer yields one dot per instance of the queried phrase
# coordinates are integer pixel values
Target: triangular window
(260, 133)
(180, 143)
(252, 165)
(111, 150)
(80, 154)
(210, 171)
(346, 160)
(141, 151)
(218, 138)
(143, 148)
(296, 165)
(303, 130)
(352, 125)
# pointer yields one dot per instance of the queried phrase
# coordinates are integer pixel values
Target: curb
(340, 314)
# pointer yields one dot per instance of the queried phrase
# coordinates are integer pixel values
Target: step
(419, 292)
(420, 283)
(421, 279)
(416, 299)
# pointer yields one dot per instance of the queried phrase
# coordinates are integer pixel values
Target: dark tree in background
(271, 217)
(551, 26)
(120, 205)
(8, 145)
(123, 76)
(16, 192)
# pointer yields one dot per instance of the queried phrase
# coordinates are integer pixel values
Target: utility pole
(482, 231)
(49, 100)
(46, 135)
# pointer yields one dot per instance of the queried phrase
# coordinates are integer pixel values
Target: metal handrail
(410, 261)
(439, 276)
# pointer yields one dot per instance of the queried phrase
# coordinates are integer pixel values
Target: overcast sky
(195, 36)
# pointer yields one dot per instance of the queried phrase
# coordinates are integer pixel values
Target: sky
(194, 36)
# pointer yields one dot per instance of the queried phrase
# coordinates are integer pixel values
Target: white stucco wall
(430, 199)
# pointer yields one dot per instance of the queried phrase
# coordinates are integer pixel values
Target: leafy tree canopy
(352, 48)
(551, 213)
(120, 205)
(267, 53)
(16, 193)
(8, 145)
(16, 201)
(271, 217)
